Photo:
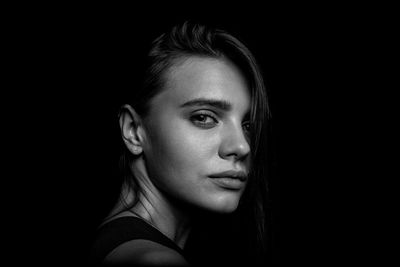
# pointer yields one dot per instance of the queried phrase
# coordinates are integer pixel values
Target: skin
(185, 145)
(179, 146)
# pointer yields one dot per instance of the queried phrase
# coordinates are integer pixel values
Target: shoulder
(146, 253)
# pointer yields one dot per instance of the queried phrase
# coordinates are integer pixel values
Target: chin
(223, 204)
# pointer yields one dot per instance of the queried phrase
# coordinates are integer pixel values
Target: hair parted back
(190, 39)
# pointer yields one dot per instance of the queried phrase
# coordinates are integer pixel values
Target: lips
(238, 175)
(232, 180)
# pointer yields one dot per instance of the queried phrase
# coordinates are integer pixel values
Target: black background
(72, 67)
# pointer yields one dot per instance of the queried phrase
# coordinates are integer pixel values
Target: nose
(234, 144)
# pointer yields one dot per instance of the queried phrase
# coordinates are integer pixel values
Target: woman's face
(197, 140)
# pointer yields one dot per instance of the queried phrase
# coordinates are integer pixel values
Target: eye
(247, 126)
(204, 120)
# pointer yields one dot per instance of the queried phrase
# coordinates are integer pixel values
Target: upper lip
(241, 175)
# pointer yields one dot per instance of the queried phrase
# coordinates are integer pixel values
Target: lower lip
(228, 183)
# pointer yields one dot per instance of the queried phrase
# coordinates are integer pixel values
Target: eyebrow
(220, 104)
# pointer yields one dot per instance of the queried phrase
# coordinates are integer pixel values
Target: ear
(131, 129)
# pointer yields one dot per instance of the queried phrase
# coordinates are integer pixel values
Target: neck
(167, 215)
(163, 215)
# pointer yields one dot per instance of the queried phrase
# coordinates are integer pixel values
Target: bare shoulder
(145, 253)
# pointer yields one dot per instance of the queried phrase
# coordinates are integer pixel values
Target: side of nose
(234, 143)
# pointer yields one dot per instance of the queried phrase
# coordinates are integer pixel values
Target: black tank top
(123, 229)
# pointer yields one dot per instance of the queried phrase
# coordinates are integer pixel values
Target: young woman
(194, 156)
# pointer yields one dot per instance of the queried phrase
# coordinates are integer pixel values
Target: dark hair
(198, 40)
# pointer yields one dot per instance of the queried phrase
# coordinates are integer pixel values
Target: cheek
(180, 149)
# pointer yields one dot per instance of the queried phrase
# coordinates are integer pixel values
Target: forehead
(202, 77)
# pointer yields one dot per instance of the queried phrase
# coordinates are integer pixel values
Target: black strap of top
(123, 229)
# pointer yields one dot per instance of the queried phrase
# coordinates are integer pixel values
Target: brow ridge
(220, 104)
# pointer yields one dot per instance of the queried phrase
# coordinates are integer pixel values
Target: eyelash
(197, 121)
(248, 125)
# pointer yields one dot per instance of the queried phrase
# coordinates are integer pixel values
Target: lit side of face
(197, 131)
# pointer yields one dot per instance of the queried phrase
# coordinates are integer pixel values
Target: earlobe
(130, 124)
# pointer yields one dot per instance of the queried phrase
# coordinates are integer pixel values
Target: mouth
(233, 180)
(238, 175)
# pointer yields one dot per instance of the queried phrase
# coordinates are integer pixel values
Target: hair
(188, 40)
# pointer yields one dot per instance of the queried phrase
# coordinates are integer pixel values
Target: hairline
(179, 60)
